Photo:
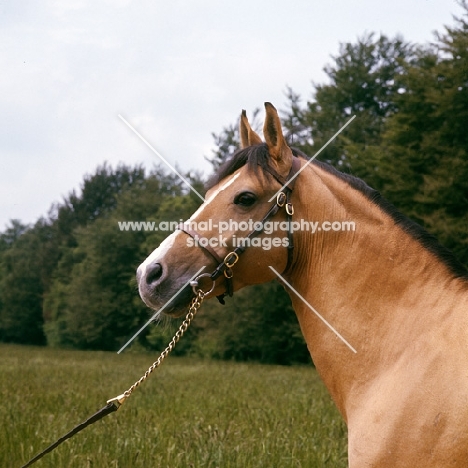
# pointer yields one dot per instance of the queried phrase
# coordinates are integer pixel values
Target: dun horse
(394, 294)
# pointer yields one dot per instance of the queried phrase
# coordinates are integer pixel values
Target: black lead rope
(115, 403)
(108, 409)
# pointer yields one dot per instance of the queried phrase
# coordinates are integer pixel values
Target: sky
(176, 71)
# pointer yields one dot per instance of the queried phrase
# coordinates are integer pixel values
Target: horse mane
(257, 158)
(415, 230)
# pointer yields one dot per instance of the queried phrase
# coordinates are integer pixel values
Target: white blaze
(165, 245)
(168, 242)
(214, 195)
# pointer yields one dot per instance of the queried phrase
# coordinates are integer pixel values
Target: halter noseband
(283, 199)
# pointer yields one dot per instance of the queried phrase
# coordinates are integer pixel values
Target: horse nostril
(153, 273)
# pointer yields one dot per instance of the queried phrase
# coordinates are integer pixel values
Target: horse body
(390, 293)
(404, 394)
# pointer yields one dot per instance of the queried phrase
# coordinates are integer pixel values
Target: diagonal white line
(160, 156)
(313, 157)
(159, 311)
(314, 311)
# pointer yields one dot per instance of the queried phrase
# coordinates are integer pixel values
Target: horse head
(207, 247)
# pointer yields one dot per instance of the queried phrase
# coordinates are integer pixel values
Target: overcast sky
(176, 70)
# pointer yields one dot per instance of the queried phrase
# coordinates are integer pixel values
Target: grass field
(190, 413)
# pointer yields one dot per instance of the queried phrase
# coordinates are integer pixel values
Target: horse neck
(375, 285)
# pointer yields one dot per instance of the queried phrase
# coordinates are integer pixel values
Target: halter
(283, 199)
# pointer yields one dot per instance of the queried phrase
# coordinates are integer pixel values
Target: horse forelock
(257, 159)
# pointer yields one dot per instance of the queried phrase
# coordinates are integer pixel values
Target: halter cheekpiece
(283, 199)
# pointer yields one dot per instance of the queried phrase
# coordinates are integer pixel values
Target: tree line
(69, 279)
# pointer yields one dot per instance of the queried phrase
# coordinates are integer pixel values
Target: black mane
(256, 157)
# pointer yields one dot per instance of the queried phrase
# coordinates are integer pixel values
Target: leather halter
(283, 199)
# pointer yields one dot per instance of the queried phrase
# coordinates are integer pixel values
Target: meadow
(190, 413)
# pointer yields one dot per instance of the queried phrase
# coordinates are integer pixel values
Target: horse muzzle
(160, 291)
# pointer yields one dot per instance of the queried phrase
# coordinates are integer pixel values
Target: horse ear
(247, 135)
(279, 150)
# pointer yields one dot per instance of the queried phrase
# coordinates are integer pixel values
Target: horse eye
(245, 199)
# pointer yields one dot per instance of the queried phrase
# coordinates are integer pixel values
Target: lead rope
(115, 403)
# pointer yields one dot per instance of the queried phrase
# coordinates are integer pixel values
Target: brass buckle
(231, 259)
(281, 199)
(289, 209)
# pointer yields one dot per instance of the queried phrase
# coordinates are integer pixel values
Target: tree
(409, 139)
(427, 140)
(12, 234)
(364, 80)
(256, 324)
(93, 302)
(98, 197)
(22, 280)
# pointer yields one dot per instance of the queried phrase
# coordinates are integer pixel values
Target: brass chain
(115, 403)
(194, 306)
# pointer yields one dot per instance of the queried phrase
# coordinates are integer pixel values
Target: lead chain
(194, 306)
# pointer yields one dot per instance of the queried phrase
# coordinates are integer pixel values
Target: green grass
(190, 413)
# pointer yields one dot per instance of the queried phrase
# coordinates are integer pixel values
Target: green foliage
(98, 196)
(12, 234)
(430, 132)
(364, 80)
(257, 324)
(94, 308)
(92, 304)
(410, 137)
(189, 413)
(24, 269)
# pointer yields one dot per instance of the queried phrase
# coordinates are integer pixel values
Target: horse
(390, 334)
